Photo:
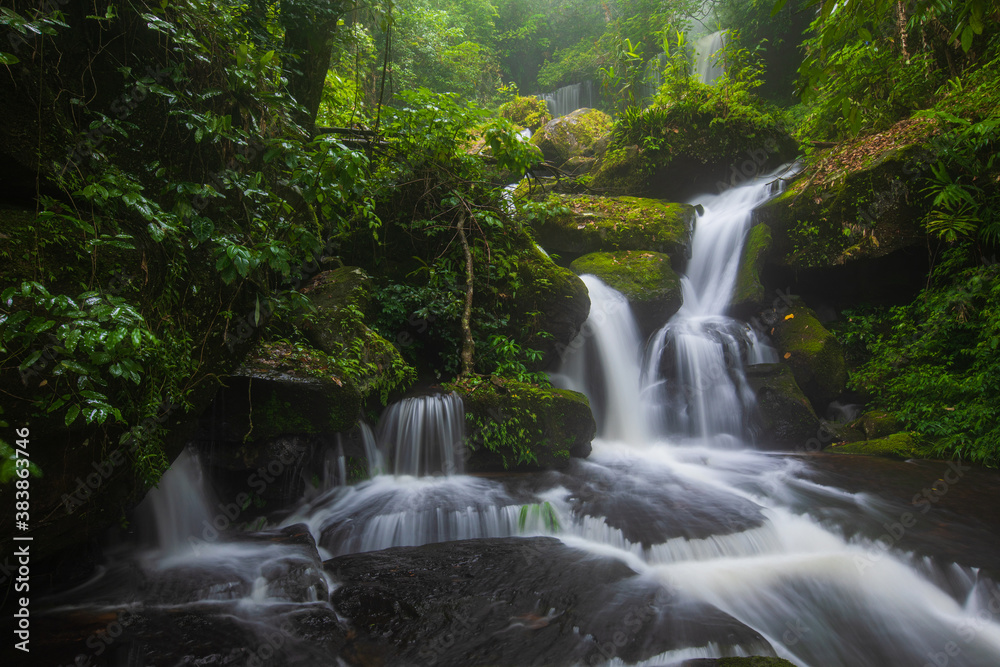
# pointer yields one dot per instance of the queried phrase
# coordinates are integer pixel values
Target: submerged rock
(592, 224)
(517, 601)
(583, 133)
(786, 418)
(514, 425)
(813, 353)
(645, 278)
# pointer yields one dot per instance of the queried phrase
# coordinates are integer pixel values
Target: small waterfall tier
(423, 435)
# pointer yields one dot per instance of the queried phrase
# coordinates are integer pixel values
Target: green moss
(639, 275)
(895, 446)
(748, 293)
(530, 112)
(814, 354)
(519, 426)
(583, 133)
(615, 223)
(865, 211)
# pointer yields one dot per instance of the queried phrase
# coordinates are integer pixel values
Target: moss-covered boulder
(813, 353)
(896, 446)
(517, 426)
(701, 143)
(342, 298)
(645, 278)
(583, 133)
(749, 296)
(529, 112)
(859, 202)
(877, 424)
(587, 224)
(256, 407)
(785, 418)
(550, 307)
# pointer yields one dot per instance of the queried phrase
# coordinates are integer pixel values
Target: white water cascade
(569, 98)
(706, 66)
(822, 574)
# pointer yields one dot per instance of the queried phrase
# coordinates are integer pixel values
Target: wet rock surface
(516, 601)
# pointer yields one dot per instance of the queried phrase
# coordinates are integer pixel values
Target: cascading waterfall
(706, 66)
(694, 364)
(765, 538)
(600, 363)
(423, 435)
(569, 98)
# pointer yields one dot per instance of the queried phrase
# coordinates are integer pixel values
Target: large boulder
(813, 353)
(256, 408)
(645, 278)
(585, 224)
(583, 133)
(342, 301)
(851, 226)
(749, 296)
(511, 602)
(862, 206)
(697, 144)
(550, 306)
(514, 425)
(877, 424)
(785, 417)
(529, 112)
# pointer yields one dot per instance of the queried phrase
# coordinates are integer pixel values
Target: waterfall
(179, 506)
(694, 364)
(602, 363)
(706, 67)
(569, 98)
(423, 435)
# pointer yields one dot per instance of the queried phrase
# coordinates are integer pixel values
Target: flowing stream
(826, 573)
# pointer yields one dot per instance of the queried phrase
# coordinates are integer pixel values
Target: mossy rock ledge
(644, 277)
(900, 446)
(342, 298)
(784, 416)
(583, 133)
(749, 296)
(813, 353)
(554, 424)
(257, 407)
(551, 299)
(607, 224)
(871, 212)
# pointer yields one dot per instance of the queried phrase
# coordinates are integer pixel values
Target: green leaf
(8, 58)
(967, 35)
(71, 414)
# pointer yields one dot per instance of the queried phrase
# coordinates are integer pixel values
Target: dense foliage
(935, 363)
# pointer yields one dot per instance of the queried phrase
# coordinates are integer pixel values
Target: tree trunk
(468, 345)
(308, 30)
